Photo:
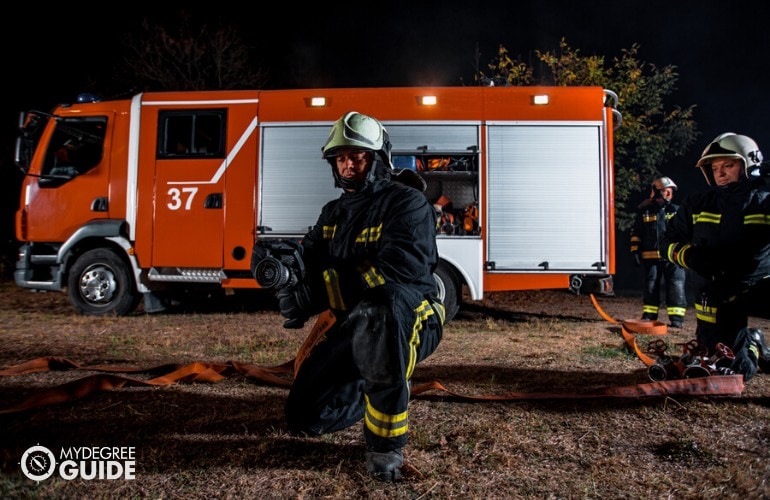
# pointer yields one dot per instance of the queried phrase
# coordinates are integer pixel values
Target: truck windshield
(76, 146)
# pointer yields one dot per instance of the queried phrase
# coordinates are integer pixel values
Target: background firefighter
(649, 227)
(369, 257)
(724, 235)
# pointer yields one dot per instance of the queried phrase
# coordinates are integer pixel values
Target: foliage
(188, 56)
(651, 132)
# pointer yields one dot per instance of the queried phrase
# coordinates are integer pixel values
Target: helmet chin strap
(378, 170)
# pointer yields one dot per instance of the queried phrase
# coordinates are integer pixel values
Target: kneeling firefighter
(369, 258)
(723, 234)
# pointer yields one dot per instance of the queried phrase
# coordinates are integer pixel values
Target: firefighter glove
(295, 304)
(704, 261)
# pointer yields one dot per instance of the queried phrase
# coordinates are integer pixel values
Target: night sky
(720, 49)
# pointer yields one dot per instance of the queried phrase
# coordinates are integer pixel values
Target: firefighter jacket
(723, 234)
(371, 254)
(649, 227)
(385, 233)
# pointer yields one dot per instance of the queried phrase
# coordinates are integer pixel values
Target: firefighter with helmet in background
(369, 257)
(649, 226)
(724, 235)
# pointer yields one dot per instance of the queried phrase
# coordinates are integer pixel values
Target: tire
(100, 283)
(449, 289)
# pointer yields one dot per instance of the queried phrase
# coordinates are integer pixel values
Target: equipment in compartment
(452, 187)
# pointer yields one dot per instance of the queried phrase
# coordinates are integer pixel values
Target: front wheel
(100, 283)
(449, 289)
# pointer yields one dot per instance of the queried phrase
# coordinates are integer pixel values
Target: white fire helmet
(730, 145)
(358, 131)
(663, 183)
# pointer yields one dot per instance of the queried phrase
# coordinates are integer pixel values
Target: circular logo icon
(38, 463)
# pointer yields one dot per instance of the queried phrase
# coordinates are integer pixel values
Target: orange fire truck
(127, 200)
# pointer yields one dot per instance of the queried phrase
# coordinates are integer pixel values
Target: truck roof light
(86, 97)
(428, 100)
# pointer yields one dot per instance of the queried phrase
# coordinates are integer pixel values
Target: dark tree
(186, 55)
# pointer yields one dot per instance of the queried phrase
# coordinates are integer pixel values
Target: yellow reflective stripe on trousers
(676, 311)
(421, 315)
(707, 314)
(383, 425)
(439, 308)
(332, 281)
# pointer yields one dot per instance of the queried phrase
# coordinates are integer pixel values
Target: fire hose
(281, 375)
(694, 362)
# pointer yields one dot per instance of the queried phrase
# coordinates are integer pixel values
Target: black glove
(295, 304)
(637, 259)
(706, 261)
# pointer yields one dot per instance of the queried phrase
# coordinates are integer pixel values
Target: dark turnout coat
(370, 257)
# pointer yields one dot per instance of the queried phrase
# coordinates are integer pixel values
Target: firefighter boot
(385, 466)
(757, 340)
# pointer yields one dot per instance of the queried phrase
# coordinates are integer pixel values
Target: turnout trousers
(361, 369)
(656, 273)
(722, 315)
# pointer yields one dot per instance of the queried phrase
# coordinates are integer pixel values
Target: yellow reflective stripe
(332, 281)
(440, 310)
(651, 254)
(706, 217)
(384, 425)
(328, 232)
(677, 256)
(373, 278)
(676, 311)
(707, 314)
(425, 310)
(370, 234)
(670, 254)
(650, 217)
(670, 215)
(421, 314)
(650, 309)
(757, 219)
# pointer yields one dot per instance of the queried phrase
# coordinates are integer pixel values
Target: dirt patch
(228, 438)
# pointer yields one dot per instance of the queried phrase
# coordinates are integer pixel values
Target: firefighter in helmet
(369, 257)
(649, 227)
(724, 235)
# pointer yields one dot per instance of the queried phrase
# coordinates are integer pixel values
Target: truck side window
(76, 146)
(192, 133)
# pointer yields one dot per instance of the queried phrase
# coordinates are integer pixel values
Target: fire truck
(125, 201)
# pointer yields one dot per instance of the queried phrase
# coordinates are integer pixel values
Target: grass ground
(227, 439)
